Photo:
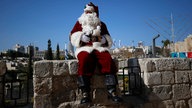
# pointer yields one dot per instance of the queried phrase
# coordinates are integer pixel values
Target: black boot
(84, 85)
(111, 82)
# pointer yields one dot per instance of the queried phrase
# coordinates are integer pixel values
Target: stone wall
(167, 83)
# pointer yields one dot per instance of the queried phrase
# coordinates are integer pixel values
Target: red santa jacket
(75, 38)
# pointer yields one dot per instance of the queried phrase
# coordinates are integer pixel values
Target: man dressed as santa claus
(92, 41)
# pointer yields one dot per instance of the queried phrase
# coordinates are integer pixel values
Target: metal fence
(132, 81)
(15, 89)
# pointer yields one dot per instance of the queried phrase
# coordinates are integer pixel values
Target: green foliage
(57, 53)
(166, 42)
(49, 54)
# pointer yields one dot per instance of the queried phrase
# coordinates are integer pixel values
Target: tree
(49, 54)
(165, 50)
(57, 53)
(30, 68)
(165, 43)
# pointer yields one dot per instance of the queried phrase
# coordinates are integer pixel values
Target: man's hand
(97, 31)
(90, 32)
(85, 38)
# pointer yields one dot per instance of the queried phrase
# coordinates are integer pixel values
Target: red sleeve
(76, 28)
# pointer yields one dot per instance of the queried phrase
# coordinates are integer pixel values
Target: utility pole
(153, 51)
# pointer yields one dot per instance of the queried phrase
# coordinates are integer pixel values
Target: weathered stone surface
(190, 103)
(181, 91)
(142, 63)
(164, 64)
(60, 67)
(64, 89)
(163, 92)
(153, 78)
(182, 64)
(149, 66)
(181, 76)
(2, 67)
(167, 77)
(166, 104)
(43, 68)
(167, 83)
(42, 85)
(180, 104)
(190, 75)
(42, 101)
(73, 66)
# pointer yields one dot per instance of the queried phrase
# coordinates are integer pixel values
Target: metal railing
(132, 81)
(15, 89)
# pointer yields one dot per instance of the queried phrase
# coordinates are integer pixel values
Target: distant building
(40, 54)
(185, 46)
(19, 48)
(33, 49)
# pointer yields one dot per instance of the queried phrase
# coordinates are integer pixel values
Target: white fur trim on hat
(89, 8)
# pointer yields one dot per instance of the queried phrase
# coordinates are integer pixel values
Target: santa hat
(92, 8)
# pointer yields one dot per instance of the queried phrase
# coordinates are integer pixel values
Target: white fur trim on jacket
(76, 38)
(89, 49)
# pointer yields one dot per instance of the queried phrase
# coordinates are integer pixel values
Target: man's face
(88, 12)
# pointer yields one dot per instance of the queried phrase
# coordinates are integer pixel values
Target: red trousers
(88, 62)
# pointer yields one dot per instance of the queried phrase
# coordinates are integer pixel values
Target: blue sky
(36, 21)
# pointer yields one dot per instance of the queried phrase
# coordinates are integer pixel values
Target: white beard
(89, 21)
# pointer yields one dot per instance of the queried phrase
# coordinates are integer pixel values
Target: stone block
(163, 92)
(167, 77)
(149, 66)
(181, 91)
(180, 104)
(190, 75)
(43, 68)
(190, 103)
(73, 66)
(60, 67)
(182, 64)
(42, 101)
(142, 63)
(181, 76)
(164, 64)
(64, 89)
(153, 78)
(42, 85)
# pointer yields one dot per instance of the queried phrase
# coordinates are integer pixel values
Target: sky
(34, 22)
